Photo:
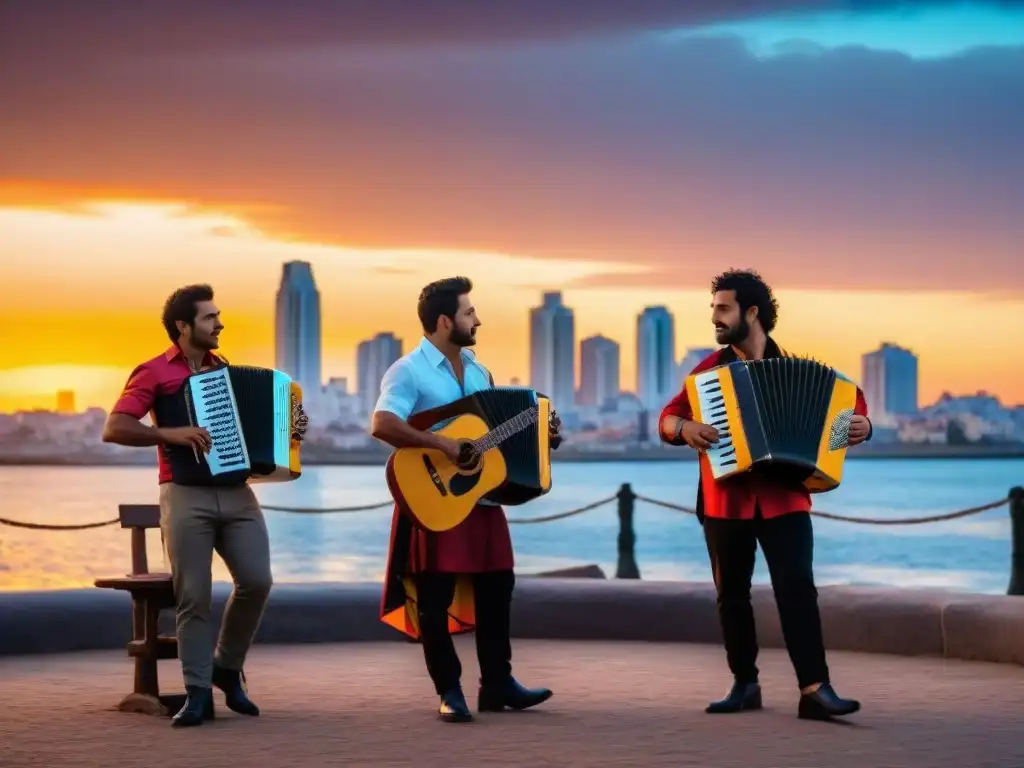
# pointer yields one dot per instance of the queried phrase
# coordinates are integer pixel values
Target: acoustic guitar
(505, 457)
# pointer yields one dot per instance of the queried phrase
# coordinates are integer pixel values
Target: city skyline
(621, 158)
(889, 374)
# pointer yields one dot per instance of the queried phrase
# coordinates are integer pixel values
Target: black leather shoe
(235, 694)
(824, 704)
(742, 697)
(198, 707)
(511, 695)
(454, 708)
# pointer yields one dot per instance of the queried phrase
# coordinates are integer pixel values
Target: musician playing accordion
(762, 506)
(440, 582)
(197, 518)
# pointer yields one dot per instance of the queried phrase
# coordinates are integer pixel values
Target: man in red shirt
(758, 507)
(195, 520)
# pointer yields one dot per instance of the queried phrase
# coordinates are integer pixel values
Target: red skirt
(480, 543)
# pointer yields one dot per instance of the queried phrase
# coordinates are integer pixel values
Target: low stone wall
(908, 622)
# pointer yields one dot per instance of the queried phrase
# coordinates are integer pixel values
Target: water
(970, 554)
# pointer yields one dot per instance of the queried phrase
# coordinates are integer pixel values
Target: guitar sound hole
(469, 457)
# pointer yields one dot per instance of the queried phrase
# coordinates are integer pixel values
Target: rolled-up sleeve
(139, 393)
(398, 393)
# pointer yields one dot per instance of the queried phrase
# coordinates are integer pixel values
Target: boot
(236, 696)
(741, 697)
(511, 695)
(198, 707)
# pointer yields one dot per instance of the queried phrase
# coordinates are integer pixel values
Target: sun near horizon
(87, 280)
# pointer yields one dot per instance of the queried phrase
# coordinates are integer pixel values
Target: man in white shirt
(461, 579)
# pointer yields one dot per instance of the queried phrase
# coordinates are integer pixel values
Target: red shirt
(162, 375)
(740, 496)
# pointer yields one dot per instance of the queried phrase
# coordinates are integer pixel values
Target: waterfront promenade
(615, 704)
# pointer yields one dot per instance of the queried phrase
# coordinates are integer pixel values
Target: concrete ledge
(905, 622)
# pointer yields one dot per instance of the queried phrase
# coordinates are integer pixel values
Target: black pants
(788, 546)
(492, 593)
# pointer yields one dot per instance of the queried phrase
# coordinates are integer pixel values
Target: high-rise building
(297, 338)
(553, 350)
(693, 357)
(889, 380)
(373, 358)
(599, 370)
(65, 401)
(655, 357)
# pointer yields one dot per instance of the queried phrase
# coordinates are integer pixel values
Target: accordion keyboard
(217, 411)
(711, 404)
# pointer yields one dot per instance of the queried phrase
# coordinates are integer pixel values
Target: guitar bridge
(435, 478)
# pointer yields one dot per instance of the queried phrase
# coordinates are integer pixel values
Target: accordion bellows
(788, 415)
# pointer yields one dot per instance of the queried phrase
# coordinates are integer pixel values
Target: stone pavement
(616, 704)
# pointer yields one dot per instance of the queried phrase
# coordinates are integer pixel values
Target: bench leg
(146, 698)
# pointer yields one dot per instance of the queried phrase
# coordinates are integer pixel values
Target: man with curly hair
(758, 507)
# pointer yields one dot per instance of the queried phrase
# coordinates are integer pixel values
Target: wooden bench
(151, 593)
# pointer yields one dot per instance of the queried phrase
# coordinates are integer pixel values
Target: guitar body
(435, 491)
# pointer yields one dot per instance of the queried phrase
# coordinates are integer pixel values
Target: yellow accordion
(791, 413)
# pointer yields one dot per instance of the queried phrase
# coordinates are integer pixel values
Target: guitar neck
(506, 429)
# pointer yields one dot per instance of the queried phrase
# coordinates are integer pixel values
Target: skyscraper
(553, 350)
(693, 357)
(655, 357)
(297, 327)
(373, 358)
(889, 380)
(599, 370)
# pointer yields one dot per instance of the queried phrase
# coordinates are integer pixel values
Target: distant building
(338, 407)
(655, 357)
(65, 401)
(889, 381)
(553, 351)
(693, 357)
(599, 371)
(297, 335)
(373, 358)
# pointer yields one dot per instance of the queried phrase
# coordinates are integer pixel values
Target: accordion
(790, 414)
(506, 457)
(253, 416)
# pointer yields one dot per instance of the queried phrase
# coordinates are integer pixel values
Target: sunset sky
(866, 157)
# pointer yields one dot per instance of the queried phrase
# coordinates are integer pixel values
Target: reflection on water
(968, 554)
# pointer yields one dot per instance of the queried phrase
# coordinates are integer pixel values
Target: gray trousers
(196, 521)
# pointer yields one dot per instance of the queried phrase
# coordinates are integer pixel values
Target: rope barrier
(45, 527)
(556, 516)
(861, 520)
(327, 510)
(563, 515)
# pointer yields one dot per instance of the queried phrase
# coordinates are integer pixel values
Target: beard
(461, 338)
(733, 334)
(205, 342)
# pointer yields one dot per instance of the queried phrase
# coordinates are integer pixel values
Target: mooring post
(1016, 541)
(627, 567)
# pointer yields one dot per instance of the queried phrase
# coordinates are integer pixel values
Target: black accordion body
(250, 414)
(518, 417)
(790, 416)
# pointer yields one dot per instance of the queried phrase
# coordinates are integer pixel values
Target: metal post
(627, 567)
(1017, 541)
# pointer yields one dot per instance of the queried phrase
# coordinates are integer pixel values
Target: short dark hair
(181, 307)
(441, 298)
(751, 291)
